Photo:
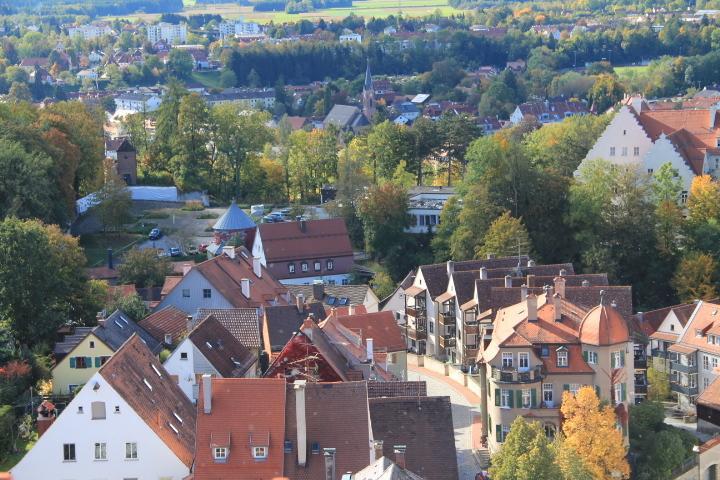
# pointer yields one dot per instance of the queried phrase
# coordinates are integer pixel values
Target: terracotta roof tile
(250, 411)
(336, 416)
(168, 321)
(128, 371)
(425, 426)
(171, 282)
(604, 325)
(705, 317)
(397, 389)
(380, 326)
(710, 397)
(224, 352)
(322, 238)
(576, 362)
(280, 322)
(354, 293)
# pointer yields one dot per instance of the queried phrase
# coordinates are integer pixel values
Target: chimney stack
(531, 263)
(303, 225)
(110, 258)
(378, 448)
(257, 267)
(300, 302)
(329, 454)
(483, 273)
(559, 283)
(563, 272)
(450, 268)
(602, 297)
(100, 317)
(530, 281)
(245, 286)
(351, 309)
(523, 291)
(369, 350)
(186, 268)
(508, 281)
(318, 289)
(300, 421)
(490, 256)
(229, 251)
(399, 451)
(207, 393)
(585, 283)
(189, 323)
(557, 305)
(531, 302)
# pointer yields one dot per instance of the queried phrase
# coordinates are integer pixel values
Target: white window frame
(592, 357)
(526, 398)
(508, 359)
(260, 453)
(220, 453)
(505, 432)
(548, 392)
(304, 266)
(505, 398)
(330, 265)
(618, 393)
(562, 358)
(317, 265)
(69, 452)
(131, 451)
(574, 388)
(618, 359)
(524, 361)
(100, 451)
(714, 362)
(706, 362)
(291, 268)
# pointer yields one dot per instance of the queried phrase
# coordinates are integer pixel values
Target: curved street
(465, 412)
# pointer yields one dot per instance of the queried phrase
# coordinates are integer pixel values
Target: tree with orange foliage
(704, 200)
(590, 430)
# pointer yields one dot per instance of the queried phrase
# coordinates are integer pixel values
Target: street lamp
(696, 449)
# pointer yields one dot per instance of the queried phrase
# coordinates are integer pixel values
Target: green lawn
(207, 79)
(24, 446)
(96, 245)
(630, 70)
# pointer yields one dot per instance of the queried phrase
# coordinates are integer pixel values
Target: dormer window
(562, 357)
(220, 454)
(698, 332)
(260, 453)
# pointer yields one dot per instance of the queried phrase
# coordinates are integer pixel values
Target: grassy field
(366, 8)
(207, 79)
(11, 460)
(96, 245)
(630, 70)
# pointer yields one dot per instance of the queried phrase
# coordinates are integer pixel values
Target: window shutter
(533, 398)
(518, 399)
(88, 362)
(73, 363)
(498, 433)
(512, 403)
(98, 362)
(585, 355)
(566, 387)
(612, 360)
(489, 424)
(622, 358)
(497, 397)
(623, 392)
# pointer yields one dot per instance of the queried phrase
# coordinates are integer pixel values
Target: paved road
(462, 412)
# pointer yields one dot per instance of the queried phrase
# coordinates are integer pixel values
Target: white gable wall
(662, 152)
(45, 460)
(257, 249)
(196, 283)
(188, 369)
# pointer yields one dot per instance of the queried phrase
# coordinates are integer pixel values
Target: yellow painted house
(86, 349)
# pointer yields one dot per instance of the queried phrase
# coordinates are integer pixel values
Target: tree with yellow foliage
(590, 430)
(704, 200)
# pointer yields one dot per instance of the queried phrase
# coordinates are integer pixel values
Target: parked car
(277, 217)
(257, 210)
(268, 219)
(155, 234)
(192, 250)
(175, 252)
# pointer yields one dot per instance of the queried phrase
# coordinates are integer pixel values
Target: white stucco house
(137, 102)
(638, 136)
(425, 205)
(130, 420)
(351, 37)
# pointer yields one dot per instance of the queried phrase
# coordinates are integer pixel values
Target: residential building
(417, 431)
(338, 295)
(124, 157)
(234, 222)
(385, 469)
(327, 430)
(425, 204)
(239, 28)
(82, 353)
(705, 464)
(233, 279)
(708, 409)
(88, 74)
(31, 63)
(129, 420)
(240, 429)
(304, 251)
(253, 98)
(346, 118)
(168, 325)
(242, 323)
(695, 358)
(209, 349)
(90, 31)
(349, 36)
(548, 111)
(167, 32)
(281, 322)
(647, 139)
(545, 346)
(137, 102)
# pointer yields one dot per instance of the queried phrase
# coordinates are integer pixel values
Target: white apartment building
(90, 32)
(239, 28)
(137, 102)
(173, 34)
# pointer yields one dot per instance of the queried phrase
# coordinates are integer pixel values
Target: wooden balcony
(418, 333)
(471, 328)
(448, 341)
(447, 319)
(416, 312)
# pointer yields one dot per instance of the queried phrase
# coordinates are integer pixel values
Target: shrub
(193, 206)
(7, 420)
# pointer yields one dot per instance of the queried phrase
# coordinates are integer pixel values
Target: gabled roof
(168, 321)
(228, 356)
(380, 326)
(345, 116)
(650, 321)
(385, 469)
(710, 397)
(242, 323)
(225, 274)
(287, 241)
(576, 362)
(234, 219)
(425, 426)
(71, 341)
(334, 295)
(245, 412)
(283, 321)
(396, 389)
(129, 371)
(118, 328)
(336, 416)
(705, 317)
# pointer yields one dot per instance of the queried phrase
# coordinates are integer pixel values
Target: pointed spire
(368, 77)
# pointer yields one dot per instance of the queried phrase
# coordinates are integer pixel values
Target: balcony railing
(656, 352)
(471, 328)
(684, 389)
(642, 389)
(470, 352)
(640, 362)
(417, 312)
(512, 375)
(447, 341)
(679, 367)
(446, 318)
(416, 333)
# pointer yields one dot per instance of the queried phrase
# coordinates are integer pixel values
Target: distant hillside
(92, 8)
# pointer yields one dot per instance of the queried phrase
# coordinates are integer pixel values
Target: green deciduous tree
(696, 277)
(505, 237)
(605, 92)
(113, 202)
(383, 211)
(526, 453)
(144, 268)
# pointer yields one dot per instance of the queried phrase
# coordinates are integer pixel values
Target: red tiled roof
(576, 362)
(705, 317)
(248, 412)
(321, 239)
(336, 416)
(170, 283)
(710, 397)
(668, 337)
(603, 325)
(121, 291)
(102, 273)
(128, 371)
(224, 352)
(168, 321)
(380, 326)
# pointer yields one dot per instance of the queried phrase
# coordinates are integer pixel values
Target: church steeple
(368, 94)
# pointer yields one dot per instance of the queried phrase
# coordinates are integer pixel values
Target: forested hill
(90, 7)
